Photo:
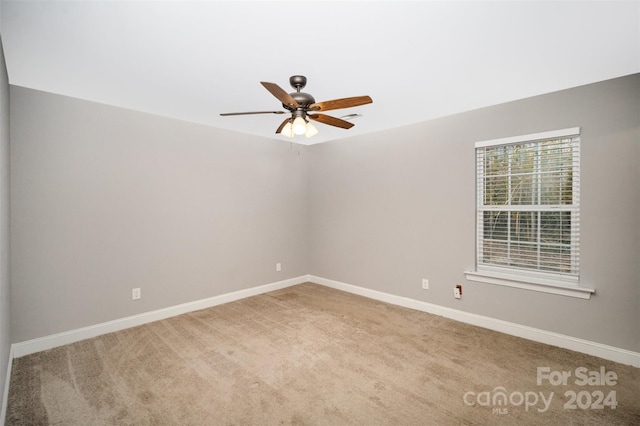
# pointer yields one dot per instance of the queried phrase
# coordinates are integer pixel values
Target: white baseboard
(611, 353)
(67, 337)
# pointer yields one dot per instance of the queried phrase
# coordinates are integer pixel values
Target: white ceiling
(418, 60)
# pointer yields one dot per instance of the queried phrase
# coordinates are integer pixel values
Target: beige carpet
(313, 355)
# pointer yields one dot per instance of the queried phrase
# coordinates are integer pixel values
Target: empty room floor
(309, 354)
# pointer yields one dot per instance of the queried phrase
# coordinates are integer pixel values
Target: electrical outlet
(457, 291)
(135, 294)
(425, 284)
(278, 267)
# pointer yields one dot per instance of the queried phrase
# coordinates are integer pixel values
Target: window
(528, 209)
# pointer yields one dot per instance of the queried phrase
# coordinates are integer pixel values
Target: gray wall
(391, 208)
(5, 292)
(106, 199)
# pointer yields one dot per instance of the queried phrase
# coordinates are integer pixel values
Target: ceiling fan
(303, 107)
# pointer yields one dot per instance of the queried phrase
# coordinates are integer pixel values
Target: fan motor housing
(304, 99)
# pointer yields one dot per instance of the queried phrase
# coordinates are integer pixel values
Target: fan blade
(284, 123)
(279, 93)
(332, 121)
(340, 103)
(224, 114)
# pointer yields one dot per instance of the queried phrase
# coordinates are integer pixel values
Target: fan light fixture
(287, 130)
(298, 127)
(311, 130)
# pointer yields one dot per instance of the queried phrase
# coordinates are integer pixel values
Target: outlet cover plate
(457, 293)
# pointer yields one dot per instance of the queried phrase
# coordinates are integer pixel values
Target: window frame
(555, 282)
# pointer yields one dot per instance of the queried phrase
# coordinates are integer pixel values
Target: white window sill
(530, 283)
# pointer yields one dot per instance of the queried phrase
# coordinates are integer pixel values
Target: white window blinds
(528, 200)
